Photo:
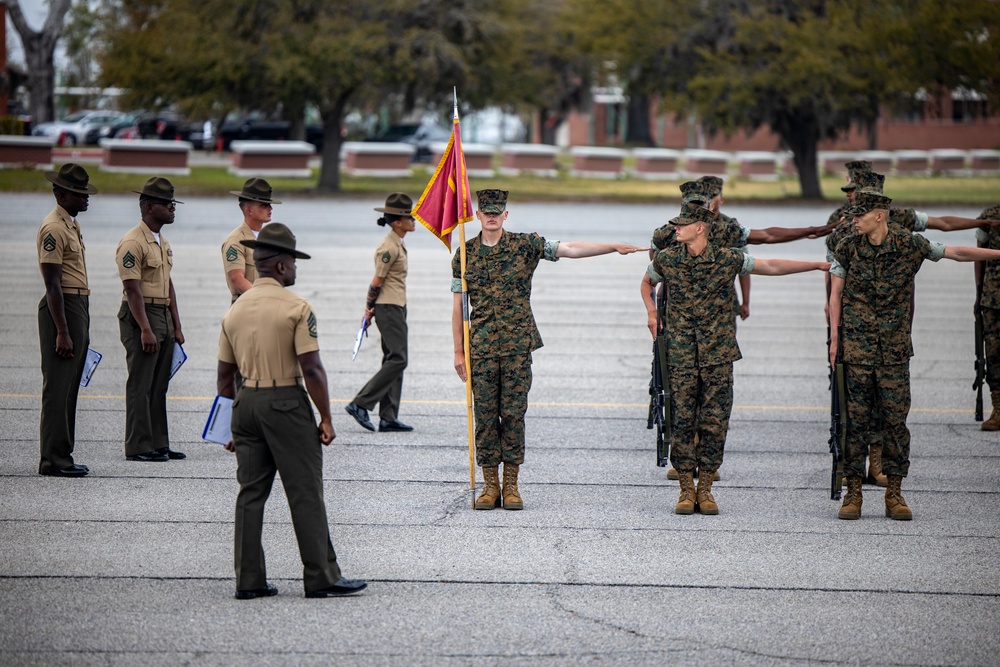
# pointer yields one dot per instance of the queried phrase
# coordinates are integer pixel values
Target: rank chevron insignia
(128, 261)
(312, 325)
(49, 243)
(232, 255)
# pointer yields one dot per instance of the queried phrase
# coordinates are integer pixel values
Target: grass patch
(216, 181)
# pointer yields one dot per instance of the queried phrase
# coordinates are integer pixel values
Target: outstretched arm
(578, 249)
(783, 267)
(966, 254)
(786, 234)
(950, 223)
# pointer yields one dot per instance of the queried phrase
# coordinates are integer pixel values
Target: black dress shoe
(68, 471)
(171, 454)
(339, 589)
(360, 415)
(251, 593)
(393, 425)
(148, 457)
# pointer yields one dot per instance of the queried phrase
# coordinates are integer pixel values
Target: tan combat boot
(895, 505)
(490, 497)
(672, 474)
(851, 509)
(991, 424)
(706, 503)
(511, 498)
(875, 475)
(685, 505)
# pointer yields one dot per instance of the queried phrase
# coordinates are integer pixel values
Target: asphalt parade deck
(134, 563)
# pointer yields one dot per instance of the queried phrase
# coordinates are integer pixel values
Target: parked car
(420, 135)
(112, 129)
(252, 128)
(74, 128)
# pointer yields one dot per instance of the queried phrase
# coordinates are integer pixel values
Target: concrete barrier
(831, 163)
(478, 158)
(597, 161)
(271, 158)
(146, 156)
(537, 159)
(881, 161)
(375, 158)
(758, 165)
(18, 152)
(706, 163)
(913, 163)
(949, 161)
(656, 163)
(984, 162)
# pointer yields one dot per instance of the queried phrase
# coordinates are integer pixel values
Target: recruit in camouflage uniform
(988, 300)
(702, 346)
(499, 269)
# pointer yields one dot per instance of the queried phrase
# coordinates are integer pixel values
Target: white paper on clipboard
(218, 425)
(179, 358)
(93, 358)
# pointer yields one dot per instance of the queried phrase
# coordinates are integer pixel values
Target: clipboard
(180, 356)
(362, 332)
(89, 366)
(218, 425)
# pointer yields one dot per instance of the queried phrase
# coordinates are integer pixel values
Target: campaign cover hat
(72, 177)
(158, 188)
(397, 203)
(256, 189)
(277, 237)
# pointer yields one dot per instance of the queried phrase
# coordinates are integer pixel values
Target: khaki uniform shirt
(266, 330)
(238, 257)
(991, 269)
(499, 280)
(699, 321)
(390, 264)
(59, 241)
(875, 319)
(140, 257)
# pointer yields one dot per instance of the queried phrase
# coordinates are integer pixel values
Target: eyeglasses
(166, 204)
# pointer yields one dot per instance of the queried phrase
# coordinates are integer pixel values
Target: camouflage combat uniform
(907, 218)
(702, 349)
(503, 335)
(990, 299)
(875, 341)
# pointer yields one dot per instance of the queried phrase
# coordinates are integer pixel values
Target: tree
(39, 55)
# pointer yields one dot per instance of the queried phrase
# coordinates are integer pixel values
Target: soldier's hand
(460, 365)
(149, 343)
(825, 230)
(652, 324)
(834, 343)
(326, 432)
(178, 336)
(64, 345)
(623, 249)
(744, 311)
(369, 314)
(229, 446)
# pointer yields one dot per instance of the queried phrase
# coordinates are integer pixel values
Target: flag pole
(461, 181)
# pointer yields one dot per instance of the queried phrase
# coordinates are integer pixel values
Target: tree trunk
(39, 55)
(803, 142)
(639, 132)
(329, 170)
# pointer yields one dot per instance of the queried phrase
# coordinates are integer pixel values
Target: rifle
(659, 396)
(977, 384)
(838, 421)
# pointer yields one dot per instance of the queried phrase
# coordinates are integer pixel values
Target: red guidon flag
(446, 201)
